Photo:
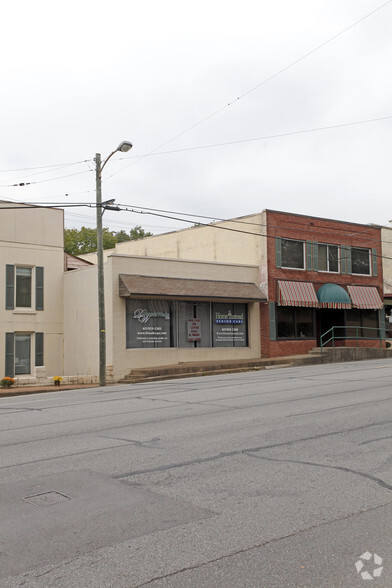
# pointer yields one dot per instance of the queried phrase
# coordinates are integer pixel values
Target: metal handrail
(333, 337)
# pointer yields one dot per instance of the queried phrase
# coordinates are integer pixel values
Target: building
(31, 313)
(161, 312)
(313, 273)
(265, 285)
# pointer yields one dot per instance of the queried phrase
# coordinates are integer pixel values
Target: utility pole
(101, 282)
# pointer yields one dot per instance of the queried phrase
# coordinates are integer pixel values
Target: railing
(330, 336)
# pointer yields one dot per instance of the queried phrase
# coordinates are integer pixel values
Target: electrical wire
(263, 82)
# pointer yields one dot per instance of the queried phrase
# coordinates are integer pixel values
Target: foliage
(84, 240)
(7, 382)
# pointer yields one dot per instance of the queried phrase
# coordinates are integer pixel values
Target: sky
(219, 98)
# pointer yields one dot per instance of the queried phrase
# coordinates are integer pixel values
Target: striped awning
(297, 294)
(365, 297)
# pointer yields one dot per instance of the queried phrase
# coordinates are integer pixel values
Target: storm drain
(47, 498)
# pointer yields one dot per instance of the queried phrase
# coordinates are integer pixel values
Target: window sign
(230, 324)
(194, 329)
(150, 324)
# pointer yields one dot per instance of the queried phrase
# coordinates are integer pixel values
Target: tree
(84, 240)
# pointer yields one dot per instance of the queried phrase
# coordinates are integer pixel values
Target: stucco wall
(81, 316)
(236, 241)
(34, 237)
(81, 334)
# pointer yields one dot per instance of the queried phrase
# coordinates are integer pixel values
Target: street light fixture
(101, 207)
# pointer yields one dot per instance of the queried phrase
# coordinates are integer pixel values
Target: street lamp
(101, 207)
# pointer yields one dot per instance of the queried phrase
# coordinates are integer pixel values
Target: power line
(21, 184)
(263, 82)
(45, 166)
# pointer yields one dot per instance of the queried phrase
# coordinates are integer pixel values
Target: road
(274, 478)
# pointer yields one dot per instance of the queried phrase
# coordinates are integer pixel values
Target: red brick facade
(312, 229)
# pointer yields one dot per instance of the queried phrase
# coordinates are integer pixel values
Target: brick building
(321, 273)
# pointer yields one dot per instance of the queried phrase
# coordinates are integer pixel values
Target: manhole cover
(47, 498)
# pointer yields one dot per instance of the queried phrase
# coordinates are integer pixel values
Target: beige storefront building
(161, 312)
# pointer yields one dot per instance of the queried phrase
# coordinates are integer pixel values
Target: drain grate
(47, 498)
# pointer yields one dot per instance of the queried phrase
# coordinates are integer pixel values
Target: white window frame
(32, 289)
(328, 245)
(353, 248)
(303, 253)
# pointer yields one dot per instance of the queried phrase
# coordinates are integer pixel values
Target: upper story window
(328, 258)
(24, 287)
(293, 254)
(360, 261)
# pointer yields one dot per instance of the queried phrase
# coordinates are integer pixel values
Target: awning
(297, 294)
(333, 296)
(175, 288)
(365, 297)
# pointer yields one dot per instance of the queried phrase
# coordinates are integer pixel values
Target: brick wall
(306, 228)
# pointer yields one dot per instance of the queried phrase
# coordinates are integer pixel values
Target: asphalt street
(274, 478)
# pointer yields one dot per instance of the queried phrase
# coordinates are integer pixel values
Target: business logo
(229, 318)
(143, 316)
(369, 566)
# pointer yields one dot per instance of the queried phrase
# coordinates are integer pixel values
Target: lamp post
(123, 147)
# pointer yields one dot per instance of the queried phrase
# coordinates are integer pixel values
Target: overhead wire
(253, 88)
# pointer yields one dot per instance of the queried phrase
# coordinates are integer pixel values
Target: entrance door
(328, 318)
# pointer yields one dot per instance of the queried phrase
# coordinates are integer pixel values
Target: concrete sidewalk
(22, 390)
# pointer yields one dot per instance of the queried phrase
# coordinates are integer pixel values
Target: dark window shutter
(381, 322)
(374, 262)
(9, 355)
(39, 288)
(309, 255)
(315, 256)
(343, 259)
(39, 349)
(9, 286)
(349, 265)
(278, 251)
(272, 321)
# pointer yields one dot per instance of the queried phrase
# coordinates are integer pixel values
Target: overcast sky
(80, 77)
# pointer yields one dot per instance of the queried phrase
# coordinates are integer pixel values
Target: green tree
(84, 240)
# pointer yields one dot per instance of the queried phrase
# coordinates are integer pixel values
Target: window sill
(24, 311)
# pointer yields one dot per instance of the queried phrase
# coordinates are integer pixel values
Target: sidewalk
(22, 390)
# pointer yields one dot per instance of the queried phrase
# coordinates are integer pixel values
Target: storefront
(328, 312)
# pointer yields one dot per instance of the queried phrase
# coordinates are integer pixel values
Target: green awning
(333, 296)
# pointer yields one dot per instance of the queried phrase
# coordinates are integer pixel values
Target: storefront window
(362, 323)
(294, 323)
(150, 324)
(229, 325)
(160, 323)
(194, 324)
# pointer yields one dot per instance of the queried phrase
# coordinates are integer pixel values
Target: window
(22, 354)
(150, 324)
(163, 323)
(362, 323)
(328, 258)
(229, 325)
(18, 353)
(360, 261)
(295, 323)
(24, 287)
(293, 254)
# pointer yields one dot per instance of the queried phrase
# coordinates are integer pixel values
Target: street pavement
(273, 478)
